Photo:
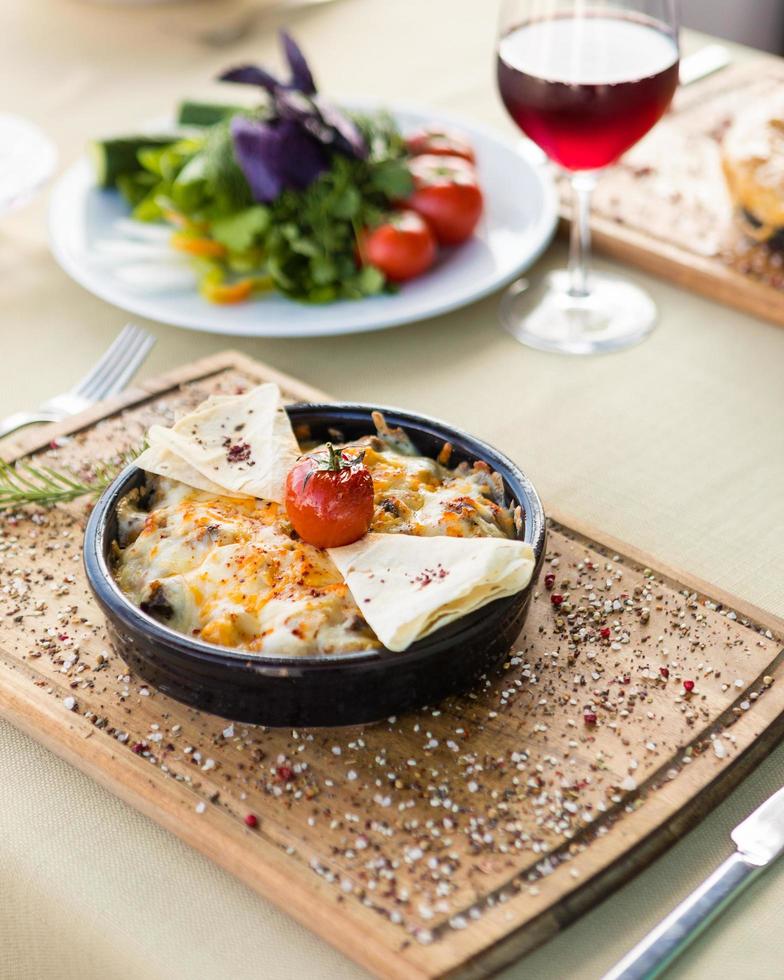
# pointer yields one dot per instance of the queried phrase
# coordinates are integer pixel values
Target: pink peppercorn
(284, 773)
(665, 672)
(251, 820)
(604, 632)
(549, 580)
(589, 717)
(556, 598)
(688, 685)
(137, 747)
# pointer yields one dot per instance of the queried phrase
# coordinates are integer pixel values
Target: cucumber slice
(204, 113)
(115, 157)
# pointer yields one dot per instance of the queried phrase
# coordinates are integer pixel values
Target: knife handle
(674, 933)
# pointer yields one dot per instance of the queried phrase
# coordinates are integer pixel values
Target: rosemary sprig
(24, 483)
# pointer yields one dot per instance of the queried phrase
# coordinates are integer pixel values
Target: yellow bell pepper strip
(223, 293)
(201, 247)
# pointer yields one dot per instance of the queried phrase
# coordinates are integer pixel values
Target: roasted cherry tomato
(439, 141)
(329, 497)
(447, 195)
(402, 248)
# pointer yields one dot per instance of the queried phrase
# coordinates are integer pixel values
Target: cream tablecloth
(677, 445)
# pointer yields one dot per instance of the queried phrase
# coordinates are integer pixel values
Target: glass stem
(583, 184)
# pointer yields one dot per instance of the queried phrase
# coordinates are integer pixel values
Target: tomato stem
(335, 458)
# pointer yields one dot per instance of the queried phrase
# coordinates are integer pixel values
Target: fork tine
(132, 365)
(107, 384)
(103, 379)
(85, 386)
(113, 362)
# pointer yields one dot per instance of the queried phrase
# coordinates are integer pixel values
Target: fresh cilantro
(311, 243)
(391, 178)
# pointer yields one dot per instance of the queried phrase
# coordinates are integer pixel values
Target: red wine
(586, 89)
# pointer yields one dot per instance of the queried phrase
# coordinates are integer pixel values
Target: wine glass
(585, 81)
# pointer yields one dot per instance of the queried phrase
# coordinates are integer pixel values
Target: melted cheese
(231, 571)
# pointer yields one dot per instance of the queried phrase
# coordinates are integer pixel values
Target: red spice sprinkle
(589, 717)
(549, 580)
(429, 575)
(605, 632)
(665, 672)
(284, 773)
(556, 598)
(689, 685)
(237, 453)
(137, 747)
(251, 820)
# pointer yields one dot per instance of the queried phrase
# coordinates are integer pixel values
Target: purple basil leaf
(250, 75)
(249, 140)
(349, 140)
(322, 120)
(276, 156)
(301, 77)
(299, 108)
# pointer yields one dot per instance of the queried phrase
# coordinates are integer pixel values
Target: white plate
(518, 223)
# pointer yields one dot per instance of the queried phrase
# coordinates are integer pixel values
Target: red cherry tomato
(402, 248)
(439, 141)
(329, 497)
(447, 195)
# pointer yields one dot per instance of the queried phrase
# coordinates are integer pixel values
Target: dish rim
(108, 592)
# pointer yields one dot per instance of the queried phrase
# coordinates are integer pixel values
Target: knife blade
(706, 61)
(759, 840)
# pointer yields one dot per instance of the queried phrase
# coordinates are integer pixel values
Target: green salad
(267, 198)
(295, 194)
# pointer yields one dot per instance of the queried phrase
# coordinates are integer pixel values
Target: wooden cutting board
(440, 843)
(665, 208)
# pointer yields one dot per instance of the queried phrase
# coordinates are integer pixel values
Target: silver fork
(109, 377)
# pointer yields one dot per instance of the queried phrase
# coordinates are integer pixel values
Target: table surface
(676, 445)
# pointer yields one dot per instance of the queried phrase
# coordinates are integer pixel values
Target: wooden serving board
(665, 208)
(444, 842)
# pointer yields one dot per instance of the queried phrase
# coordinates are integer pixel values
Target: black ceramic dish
(341, 689)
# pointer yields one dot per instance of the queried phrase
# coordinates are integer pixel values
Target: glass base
(614, 315)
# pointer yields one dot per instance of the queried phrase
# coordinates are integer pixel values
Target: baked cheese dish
(229, 568)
